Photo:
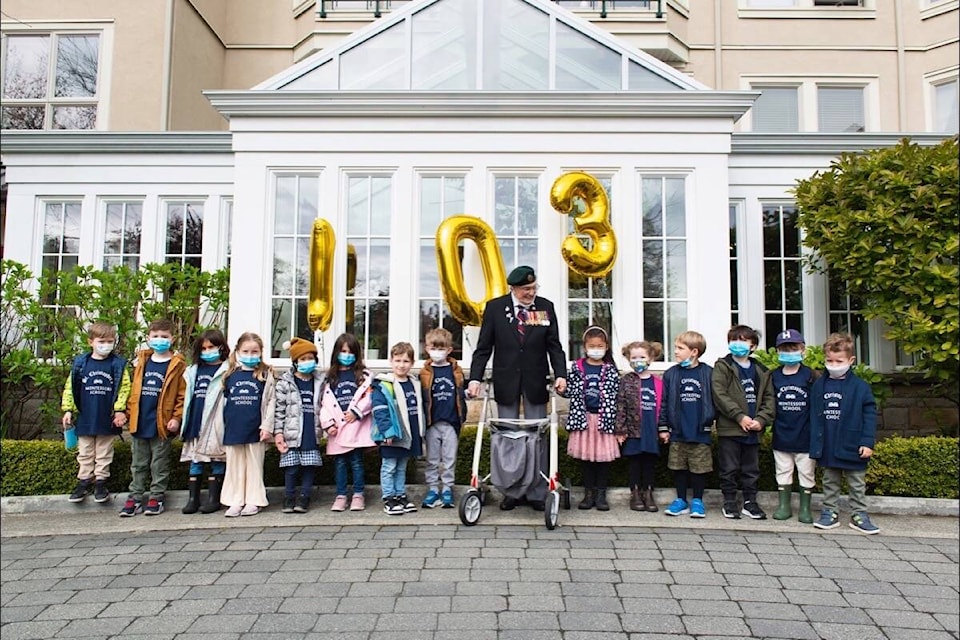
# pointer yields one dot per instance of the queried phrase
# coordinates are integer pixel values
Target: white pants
(785, 463)
(243, 482)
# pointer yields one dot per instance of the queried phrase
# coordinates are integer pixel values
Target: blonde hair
(261, 371)
(839, 343)
(402, 349)
(654, 349)
(101, 329)
(693, 340)
(439, 337)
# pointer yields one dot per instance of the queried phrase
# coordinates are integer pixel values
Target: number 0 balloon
(449, 234)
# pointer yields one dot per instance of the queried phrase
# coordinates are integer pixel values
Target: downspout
(901, 66)
(167, 70)
(717, 46)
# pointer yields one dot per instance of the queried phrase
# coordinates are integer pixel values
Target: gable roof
(481, 45)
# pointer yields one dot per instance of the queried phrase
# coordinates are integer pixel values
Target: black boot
(214, 485)
(193, 496)
(602, 500)
(589, 500)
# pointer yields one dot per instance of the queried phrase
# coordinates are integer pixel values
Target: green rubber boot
(783, 512)
(805, 516)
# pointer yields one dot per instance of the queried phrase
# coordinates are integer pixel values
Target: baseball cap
(790, 336)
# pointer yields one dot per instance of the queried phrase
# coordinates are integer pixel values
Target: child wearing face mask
(445, 410)
(296, 427)
(592, 386)
(249, 392)
(345, 406)
(744, 410)
(202, 431)
(638, 411)
(156, 411)
(843, 429)
(96, 391)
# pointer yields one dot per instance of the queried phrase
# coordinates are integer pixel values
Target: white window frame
(931, 81)
(807, 96)
(932, 8)
(806, 9)
(101, 227)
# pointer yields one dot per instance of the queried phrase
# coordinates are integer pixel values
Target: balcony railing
(377, 7)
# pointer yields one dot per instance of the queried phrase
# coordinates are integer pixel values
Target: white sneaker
(250, 510)
(234, 511)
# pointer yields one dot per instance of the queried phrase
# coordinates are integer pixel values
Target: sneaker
(131, 508)
(78, 495)
(730, 510)
(447, 499)
(697, 509)
(678, 507)
(431, 500)
(303, 504)
(154, 507)
(408, 505)
(250, 510)
(339, 504)
(100, 492)
(357, 503)
(393, 506)
(860, 521)
(234, 511)
(828, 520)
(288, 504)
(752, 510)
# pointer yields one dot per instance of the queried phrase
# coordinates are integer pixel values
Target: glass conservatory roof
(481, 45)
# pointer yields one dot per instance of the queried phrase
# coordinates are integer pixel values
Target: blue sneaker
(828, 520)
(678, 507)
(431, 500)
(860, 521)
(696, 509)
(447, 499)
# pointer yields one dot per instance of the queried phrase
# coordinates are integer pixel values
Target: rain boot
(602, 500)
(589, 500)
(649, 501)
(193, 496)
(784, 511)
(805, 516)
(214, 485)
(637, 502)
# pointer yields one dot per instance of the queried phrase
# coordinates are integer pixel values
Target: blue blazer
(858, 420)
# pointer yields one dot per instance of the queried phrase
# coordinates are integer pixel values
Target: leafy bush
(924, 467)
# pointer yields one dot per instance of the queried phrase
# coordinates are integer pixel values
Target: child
(791, 384)
(686, 421)
(443, 385)
(638, 412)
(592, 386)
(249, 392)
(156, 411)
(397, 428)
(742, 414)
(843, 427)
(203, 424)
(345, 418)
(96, 390)
(296, 428)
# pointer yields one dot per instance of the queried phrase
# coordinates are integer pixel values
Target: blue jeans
(393, 477)
(306, 474)
(217, 468)
(355, 460)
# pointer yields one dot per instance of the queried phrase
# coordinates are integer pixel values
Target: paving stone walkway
(446, 581)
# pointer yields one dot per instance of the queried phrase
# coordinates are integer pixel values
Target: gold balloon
(351, 284)
(592, 219)
(320, 296)
(449, 234)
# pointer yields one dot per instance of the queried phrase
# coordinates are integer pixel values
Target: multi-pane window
(295, 208)
(782, 270)
(664, 261)
(946, 117)
(440, 198)
(369, 204)
(123, 228)
(734, 266)
(184, 238)
(227, 231)
(845, 316)
(776, 110)
(840, 109)
(60, 253)
(50, 81)
(590, 300)
(515, 219)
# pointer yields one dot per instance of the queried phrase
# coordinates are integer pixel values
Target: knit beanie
(299, 347)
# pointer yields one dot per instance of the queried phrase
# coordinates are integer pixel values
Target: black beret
(521, 276)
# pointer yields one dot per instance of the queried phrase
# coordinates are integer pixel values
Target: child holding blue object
(397, 427)
(202, 431)
(296, 427)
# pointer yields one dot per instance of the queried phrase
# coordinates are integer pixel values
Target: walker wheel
(471, 506)
(551, 510)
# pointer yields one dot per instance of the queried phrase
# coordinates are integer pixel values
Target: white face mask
(437, 356)
(838, 372)
(596, 354)
(104, 349)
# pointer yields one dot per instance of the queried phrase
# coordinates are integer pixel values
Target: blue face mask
(346, 359)
(638, 365)
(160, 345)
(306, 367)
(249, 361)
(739, 349)
(790, 357)
(210, 356)
(686, 364)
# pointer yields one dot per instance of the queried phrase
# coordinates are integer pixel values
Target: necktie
(521, 321)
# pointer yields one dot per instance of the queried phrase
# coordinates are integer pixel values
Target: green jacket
(731, 402)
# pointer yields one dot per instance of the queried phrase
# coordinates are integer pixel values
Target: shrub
(922, 467)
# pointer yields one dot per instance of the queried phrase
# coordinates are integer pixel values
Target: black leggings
(595, 474)
(684, 479)
(640, 469)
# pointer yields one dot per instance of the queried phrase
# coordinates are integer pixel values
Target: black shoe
(509, 504)
(288, 504)
(537, 505)
(752, 510)
(730, 510)
(303, 504)
(83, 488)
(100, 492)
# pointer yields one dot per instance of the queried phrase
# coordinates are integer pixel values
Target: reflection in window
(369, 209)
(184, 233)
(227, 227)
(845, 316)
(590, 299)
(583, 64)
(294, 210)
(440, 198)
(121, 235)
(782, 270)
(41, 95)
(664, 261)
(444, 47)
(516, 52)
(60, 253)
(734, 271)
(515, 220)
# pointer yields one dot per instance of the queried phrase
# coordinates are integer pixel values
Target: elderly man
(520, 330)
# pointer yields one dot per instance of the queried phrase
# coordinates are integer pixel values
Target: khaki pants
(94, 455)
(805, 465)
(243, 483)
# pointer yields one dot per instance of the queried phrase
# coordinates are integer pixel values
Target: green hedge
(924, 467)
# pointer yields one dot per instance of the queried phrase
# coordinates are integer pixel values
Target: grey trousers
(530, 411)
(538, 491)
(833, 482)
(441, 443)
(149, 456)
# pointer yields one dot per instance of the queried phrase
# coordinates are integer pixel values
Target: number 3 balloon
(594, 222)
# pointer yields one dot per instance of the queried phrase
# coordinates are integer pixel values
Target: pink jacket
(352, 435)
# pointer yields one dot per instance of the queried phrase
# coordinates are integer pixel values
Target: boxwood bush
(924, 467)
